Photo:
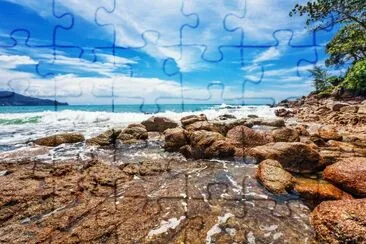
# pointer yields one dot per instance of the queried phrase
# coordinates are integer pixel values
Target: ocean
(19, 125)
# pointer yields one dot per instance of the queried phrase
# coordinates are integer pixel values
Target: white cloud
(132, 18)
(271, 54)
(13, 61)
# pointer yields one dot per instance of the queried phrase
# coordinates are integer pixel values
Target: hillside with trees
(346, 50)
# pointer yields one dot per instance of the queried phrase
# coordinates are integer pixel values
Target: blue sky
(202, 51)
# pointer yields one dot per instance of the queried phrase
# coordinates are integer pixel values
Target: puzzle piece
(210, 27)
(119, 17)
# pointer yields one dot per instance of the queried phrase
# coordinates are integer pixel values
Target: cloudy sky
(165, 51)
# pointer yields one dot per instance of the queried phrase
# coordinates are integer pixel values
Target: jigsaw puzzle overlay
(142, 194)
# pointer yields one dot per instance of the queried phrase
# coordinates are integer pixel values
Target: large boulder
(295, 157)
(159, 124)
(319, 190)
(349, 109)
(107, 138)
(174, 139)
(329, 133)
(243, 136)
(338, 105)
(207, 144)
(134, 132)
(341, 221)
(285, 135)
(274, 178)
(190, 119)
(349, 174)
(205, 125)
(58, 139)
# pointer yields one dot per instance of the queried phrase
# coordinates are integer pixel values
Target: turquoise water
(22, 124)
(133, 108)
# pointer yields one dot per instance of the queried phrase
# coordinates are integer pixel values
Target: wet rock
(349, 109)
(349, 175)
(55, 140)
(107, 138)
(337, 106)
(285, 135)
(174, 139)
(145, 168)
(226, 117)
(329, 133)
(159, 124)
(133, 132)
(341, 221)
(295, 157)
(207, 144)
(252, 116)
(24, 154)
(319, 190)
(247, 137)
(274, 178)
(190, 119)
(208, 126)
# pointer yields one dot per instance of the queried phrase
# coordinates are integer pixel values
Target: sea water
(19, 125)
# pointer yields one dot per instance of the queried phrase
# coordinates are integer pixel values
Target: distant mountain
(14, 99)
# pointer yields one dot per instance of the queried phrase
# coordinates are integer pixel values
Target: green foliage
(325, 13)
(327, 92)
(334, 80)
(355, 79)
(349, 44)
(320, 78)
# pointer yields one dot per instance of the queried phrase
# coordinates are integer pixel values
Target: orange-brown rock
(107, 138)
(208, 126)
(294, 156)
(349, 174)
(243, 137)
(207, 144)
(274, 178)
(329, 134)
(319, 190)
(285, 135)
(174, 139)
(341, 221)
(159, 124)
(133, 132)
(190, 119)
(55, 140)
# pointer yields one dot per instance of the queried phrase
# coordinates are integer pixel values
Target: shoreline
(183, 179)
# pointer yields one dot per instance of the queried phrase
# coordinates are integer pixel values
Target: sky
(164, 51)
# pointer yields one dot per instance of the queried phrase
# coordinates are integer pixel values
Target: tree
(349, 44)
(320, 78)
(325, 13)
(355, 79)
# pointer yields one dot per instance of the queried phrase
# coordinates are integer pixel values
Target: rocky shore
(300, 178)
